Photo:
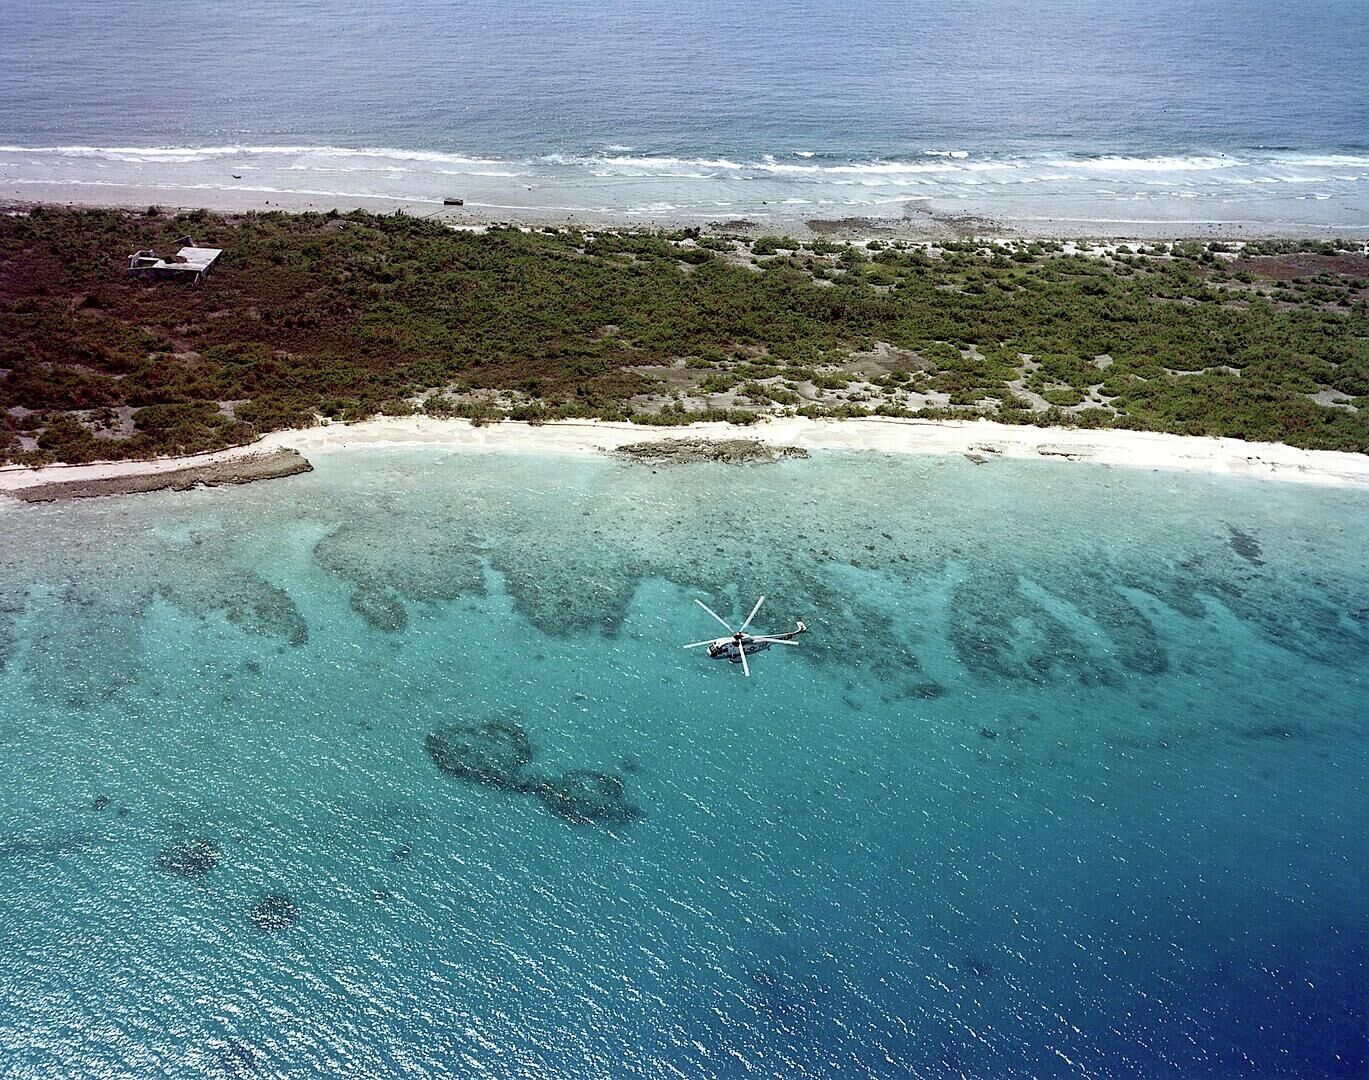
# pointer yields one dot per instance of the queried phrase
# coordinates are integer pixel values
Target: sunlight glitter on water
(1071, 766)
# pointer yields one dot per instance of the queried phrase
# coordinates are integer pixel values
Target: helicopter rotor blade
(696, 644)
(775, 640)
(714, 614)
(753, 613)
(746, 671)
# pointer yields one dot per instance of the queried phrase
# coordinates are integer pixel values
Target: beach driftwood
(239, 470)
(729, 451)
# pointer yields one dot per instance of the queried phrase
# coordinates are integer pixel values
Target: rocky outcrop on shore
(238, 470)
(686, 451)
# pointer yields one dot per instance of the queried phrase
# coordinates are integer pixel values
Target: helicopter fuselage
(731, 648)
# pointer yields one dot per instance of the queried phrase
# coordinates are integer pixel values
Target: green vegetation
(347, 316)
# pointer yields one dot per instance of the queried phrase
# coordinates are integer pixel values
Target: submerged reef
(96, 657)
(274, 912)
(1005, 626)
(497, 754)
(382, 610)
(688, 451)
(189, 858)
(11, 607)
(492, 754)
(434, 564)
(246, 599)
(596, 603)
(1246, 546)
(928, 690)
(585, 797)
(49, 846)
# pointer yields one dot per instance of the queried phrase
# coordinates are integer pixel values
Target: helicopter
(737, 647)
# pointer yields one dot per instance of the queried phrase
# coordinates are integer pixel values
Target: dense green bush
(347, 315)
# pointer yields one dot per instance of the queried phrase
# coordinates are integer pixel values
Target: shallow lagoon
(1069, 778)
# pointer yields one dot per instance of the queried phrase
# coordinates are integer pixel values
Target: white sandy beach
(915, 219)
(980, 438)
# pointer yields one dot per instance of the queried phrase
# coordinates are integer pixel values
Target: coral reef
(1246, 546)
(491, 754)
(192, 858)
(382, 610)
(274, 912)
(998, 632)
(585, 797)
(248, 600)
(96, 656)
(11, 607)
(595, 600)
(496, 754)
(434, 564)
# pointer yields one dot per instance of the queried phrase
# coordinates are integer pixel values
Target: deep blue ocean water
(1136, 112)
(1069, 778)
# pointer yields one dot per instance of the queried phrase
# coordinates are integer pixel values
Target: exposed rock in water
(189, 858)
(493, 754)
(585, 797)
(686, 451)
(274, 912)
(239, 470)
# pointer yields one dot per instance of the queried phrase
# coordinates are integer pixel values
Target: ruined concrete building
(190, 264)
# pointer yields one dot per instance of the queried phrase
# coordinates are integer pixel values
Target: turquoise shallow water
(1069, 778)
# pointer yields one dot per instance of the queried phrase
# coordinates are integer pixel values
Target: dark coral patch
(586, 797)
(274, 912)
(998, 632)
(189, 858)
(435, 563)
(381, 610)
(1246, 546)
(493, 754)
(246, 599)
(496, 754)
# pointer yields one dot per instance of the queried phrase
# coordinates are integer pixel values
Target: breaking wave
(1281, 181)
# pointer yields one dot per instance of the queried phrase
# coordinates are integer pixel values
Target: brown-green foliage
(346, 315)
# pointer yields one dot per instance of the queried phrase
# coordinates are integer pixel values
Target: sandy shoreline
(982, 439)
(919, 220)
